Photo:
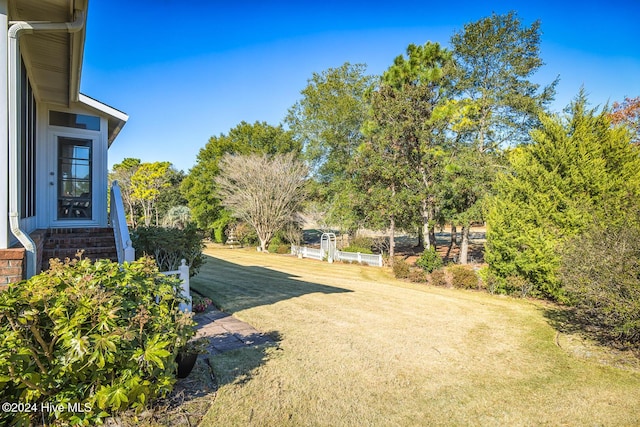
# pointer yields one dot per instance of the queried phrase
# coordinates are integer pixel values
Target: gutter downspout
(15, 31)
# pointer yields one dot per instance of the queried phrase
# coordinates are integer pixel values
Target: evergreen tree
(577, 170)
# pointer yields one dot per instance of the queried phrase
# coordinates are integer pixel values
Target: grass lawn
(359, 348)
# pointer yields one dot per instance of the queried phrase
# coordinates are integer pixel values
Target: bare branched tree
(264, 191)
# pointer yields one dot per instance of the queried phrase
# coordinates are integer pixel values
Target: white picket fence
(183, 274)
(320, 254)
(375, 260)
(307, 252)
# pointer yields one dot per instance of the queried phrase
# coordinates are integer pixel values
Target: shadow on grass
(566, 321)
(234, 287)
(192, 397)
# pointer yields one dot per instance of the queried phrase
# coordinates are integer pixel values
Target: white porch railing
(183, 274)
(118, 221)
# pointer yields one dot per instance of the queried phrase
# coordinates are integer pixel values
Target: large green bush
(601, 273)
(97, 336)
(170, 245)
(429, 260)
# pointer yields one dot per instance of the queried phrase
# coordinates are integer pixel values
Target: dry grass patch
(358, 347)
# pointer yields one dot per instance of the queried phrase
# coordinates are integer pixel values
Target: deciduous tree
(327, 121)
(146, 184)
(122, 172)
(264, 191)
(627, 113)
(245, 138)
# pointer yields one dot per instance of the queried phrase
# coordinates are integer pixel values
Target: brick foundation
(97, 243)
(11, 266)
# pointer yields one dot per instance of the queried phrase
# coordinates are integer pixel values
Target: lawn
(358, 348)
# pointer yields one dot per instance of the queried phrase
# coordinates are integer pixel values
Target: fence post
(184, 277)
(129, 252)
(359, 257)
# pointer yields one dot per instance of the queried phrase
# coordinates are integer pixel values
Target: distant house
(53, 140)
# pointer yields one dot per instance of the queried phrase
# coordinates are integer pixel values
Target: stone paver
(225, 332)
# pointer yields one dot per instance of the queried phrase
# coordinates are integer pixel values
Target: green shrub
(463, 277)
(429, 260)
(169, 246)
(274, 244)
(364, 244)
(601, 274)
(283, 249)
(401, 268)
(492, 282)
(100, 336)
(439, 278)
(219, 227)
(355, 249)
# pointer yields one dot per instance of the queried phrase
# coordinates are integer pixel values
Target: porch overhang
(116, 118)
(53, 59)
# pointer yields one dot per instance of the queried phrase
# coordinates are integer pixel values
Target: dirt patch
(189, 401)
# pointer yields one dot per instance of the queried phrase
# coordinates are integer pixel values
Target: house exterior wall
(51, 31)
(47, 160)
(4, 131)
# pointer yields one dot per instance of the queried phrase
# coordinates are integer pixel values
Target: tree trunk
(464, 246)
(452, 243)
(432, 236)
(428, 231)
(392, 239)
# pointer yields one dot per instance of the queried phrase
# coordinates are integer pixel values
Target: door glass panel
(74, 178)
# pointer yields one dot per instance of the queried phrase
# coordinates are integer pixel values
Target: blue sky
(186, 71)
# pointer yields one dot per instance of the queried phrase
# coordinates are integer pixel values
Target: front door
(72, 180)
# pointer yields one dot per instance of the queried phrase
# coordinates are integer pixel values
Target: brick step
(90, 253)
(61, 243)
(86, 242)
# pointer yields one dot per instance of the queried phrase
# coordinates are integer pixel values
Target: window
(27, 142)
(71, 120)
(74, 178)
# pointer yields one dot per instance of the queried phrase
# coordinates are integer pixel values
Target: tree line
(457, 135)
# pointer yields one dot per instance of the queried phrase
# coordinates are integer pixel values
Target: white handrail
(126, 252)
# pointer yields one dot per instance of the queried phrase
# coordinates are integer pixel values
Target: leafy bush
(200, 304)
(417, 276)
(283, 249)
(601, 274)
(401, 268)
(439, 278)
(429, 260)
(364, 245)
(97, 335)
(274, 244)
(355, 248)
(463, 277)
(169, 246)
